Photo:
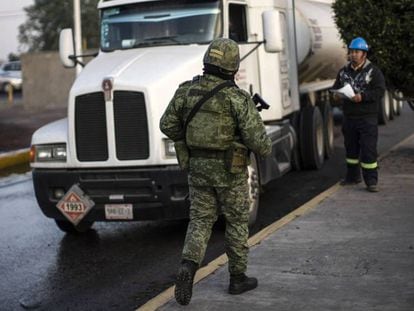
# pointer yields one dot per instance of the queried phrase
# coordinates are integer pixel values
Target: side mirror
(272, 31)
(66, 48)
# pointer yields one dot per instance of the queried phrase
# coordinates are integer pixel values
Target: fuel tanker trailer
(108, 160)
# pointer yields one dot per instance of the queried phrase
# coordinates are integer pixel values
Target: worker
(214, 146)
(360, 121)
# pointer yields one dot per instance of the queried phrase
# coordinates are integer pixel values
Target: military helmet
(223, 53)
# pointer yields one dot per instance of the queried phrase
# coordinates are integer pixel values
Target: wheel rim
(395, 105)
(330, 128)
(319, 140)
(253, 183)
(387, 105)
(6, 88)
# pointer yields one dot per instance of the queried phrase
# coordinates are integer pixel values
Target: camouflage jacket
(248, 128)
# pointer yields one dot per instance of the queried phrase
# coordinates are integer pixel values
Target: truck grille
(90, 127)
(131, 128)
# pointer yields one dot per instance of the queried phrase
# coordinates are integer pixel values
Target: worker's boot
(372, 188)
(353, 176)
(184, 282)
(241, 283)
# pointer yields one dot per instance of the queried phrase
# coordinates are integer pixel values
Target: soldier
(360, 123)
(215, 147)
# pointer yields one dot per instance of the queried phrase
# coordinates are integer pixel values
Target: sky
(11, 16)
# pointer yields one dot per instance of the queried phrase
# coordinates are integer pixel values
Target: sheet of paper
(346, 91)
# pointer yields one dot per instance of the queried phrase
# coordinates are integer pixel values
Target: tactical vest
(213, 126)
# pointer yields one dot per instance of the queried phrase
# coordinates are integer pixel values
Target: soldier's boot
(241, 283)
(184, 283)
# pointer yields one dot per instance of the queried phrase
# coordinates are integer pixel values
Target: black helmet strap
(218, 72)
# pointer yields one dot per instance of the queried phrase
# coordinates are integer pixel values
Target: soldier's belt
(210, 154)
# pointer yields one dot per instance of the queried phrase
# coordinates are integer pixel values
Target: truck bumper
(155, 193)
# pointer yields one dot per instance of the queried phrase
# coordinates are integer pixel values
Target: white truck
(108, 160)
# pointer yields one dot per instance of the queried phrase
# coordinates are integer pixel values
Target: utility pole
(78, 33)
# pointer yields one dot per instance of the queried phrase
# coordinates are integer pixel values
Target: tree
(388, 27)
(47, 18)
(13, 57)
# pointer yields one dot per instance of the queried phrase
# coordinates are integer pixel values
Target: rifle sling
(206, 97)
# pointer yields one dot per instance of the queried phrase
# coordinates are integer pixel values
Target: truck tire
(396, 107)
(311, 138)
(384, 110)
(295, 160)
(66, 226)
(400, 106)
(328, 128)
(411, 104)
(400, 103)
(6, 87)
(391, 105)
(254, 190)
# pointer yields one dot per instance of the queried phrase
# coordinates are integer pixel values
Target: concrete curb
(13, 158)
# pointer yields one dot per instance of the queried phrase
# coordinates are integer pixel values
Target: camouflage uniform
(228, 116)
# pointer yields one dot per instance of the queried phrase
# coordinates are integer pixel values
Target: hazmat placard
(75, 205)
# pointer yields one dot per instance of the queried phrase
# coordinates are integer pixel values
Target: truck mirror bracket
(252, 50)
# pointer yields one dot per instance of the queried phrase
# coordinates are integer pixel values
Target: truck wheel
(396, 107)
(6, 87)
(396, 104)
(328, 129)
(254, 189)
(400, 106)
(311, 138)
(295, 160)
(384, 110)
(66, 226)
(391, 105)
(411, 104)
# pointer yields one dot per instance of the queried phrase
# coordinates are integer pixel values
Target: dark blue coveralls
(360, 123)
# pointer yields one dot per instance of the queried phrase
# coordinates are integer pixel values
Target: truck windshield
(160, 23)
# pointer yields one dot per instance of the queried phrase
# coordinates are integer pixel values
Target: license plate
(118, 211)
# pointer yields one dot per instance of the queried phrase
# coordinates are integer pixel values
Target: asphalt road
(119, 266)
(17, 97)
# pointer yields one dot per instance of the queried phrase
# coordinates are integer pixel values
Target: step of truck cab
(283, 139)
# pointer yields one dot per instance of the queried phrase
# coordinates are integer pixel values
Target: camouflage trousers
(203, 214)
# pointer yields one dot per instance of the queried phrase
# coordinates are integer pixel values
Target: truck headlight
(48, 153)
(169, 148)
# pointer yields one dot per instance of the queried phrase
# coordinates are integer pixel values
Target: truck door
(275, 73)
(247, 77)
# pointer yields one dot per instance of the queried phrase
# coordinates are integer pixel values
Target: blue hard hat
(359, 44)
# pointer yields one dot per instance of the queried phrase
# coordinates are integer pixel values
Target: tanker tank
(321, 53)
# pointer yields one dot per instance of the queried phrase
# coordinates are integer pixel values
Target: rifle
(260, 102)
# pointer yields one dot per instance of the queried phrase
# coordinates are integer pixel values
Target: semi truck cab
(108, 160)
